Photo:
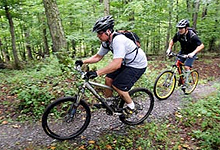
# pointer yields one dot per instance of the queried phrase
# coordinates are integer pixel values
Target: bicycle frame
(88, 85)
(166, 81)
(179, 67)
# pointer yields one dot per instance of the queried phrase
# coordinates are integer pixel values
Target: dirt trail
(17, 136)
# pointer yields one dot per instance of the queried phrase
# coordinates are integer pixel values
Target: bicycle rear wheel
(62, 121)
(192, 82)
(144, 103)
(164, 85)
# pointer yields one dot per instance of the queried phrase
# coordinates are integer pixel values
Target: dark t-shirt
(188, 42)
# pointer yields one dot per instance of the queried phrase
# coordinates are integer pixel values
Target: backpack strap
(136, 49)
(191, 33)
(107, 46)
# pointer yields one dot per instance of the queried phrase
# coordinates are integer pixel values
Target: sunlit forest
(32, 30)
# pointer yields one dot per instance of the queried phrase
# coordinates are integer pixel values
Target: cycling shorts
(188, 61)
(125, 77)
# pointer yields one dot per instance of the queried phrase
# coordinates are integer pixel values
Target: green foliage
(207, 118)
(34, 100)
(35, 87)
(149, 19)
(202, 117)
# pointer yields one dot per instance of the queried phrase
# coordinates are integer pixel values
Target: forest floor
(16, 135)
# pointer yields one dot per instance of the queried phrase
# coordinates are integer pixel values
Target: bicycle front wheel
(164, 85)
(192, 82)
(144, 103)
(62, 121)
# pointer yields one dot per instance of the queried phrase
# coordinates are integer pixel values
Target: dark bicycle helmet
(104, 23)
(183, 23)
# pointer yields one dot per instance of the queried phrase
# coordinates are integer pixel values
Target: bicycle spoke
(192, 82)
(62, 121)
(164, 85)
(144, 102)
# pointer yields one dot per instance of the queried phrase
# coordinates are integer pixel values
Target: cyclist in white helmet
(128, 64)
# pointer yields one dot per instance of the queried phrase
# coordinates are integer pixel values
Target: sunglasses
(181, 27)
(100, 33)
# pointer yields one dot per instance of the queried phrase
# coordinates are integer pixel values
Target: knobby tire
(193, 81)
(58, 124)
(144, 103)
(164, 85)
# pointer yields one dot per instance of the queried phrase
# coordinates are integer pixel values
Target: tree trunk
(5, 51)
(170, 25)
(1, 59)
(107, 8)
(46, 46)
(195, 14)
(205, 11)
(55, 25)
(28, 45)
(11, 24)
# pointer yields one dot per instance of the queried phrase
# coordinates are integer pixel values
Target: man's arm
(171, 44)
(111, 67)
(198, 49)
(170, 47)
(95, 58)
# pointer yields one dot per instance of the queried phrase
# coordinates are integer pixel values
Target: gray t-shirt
(122, 47)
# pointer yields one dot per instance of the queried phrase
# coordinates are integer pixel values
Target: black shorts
(125, 77)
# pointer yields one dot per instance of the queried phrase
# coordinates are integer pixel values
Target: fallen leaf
(139, 148)
(52, 147)
(4, 122)
(91, 142)
(108, 147)
(82, 147)
(186, 146)
(16, 126)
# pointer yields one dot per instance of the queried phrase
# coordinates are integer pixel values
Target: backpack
(191, 31)
(128, 34)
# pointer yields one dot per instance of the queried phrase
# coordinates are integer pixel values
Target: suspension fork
(75, 104)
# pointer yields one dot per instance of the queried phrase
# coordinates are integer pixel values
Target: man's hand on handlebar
(91, 74)
(168, 52)
(190, 55)
(79, 63)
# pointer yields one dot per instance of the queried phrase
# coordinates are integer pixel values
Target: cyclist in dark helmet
(189, 41)
(128, 64)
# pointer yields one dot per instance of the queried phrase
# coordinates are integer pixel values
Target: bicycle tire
(164, 85)
(57, 123)
(144, 103)
(193, 81)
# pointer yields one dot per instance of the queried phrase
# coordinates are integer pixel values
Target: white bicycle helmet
(183, 23)
(104, 23)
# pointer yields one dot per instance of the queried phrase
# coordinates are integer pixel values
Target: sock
(187, 75)
(131, 105)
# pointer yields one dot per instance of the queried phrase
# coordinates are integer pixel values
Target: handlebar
(178, 55)
(79, 69)
(82, 70)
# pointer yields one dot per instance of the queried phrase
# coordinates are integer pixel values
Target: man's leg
(188, 66)
(108, 81)
(126, 97)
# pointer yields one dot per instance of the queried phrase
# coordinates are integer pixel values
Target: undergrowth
(194, 127)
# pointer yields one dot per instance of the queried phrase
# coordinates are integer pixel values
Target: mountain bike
(166, 82)
(68, 117)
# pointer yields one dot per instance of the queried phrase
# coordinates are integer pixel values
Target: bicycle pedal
(184, 88)
(98, 106)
